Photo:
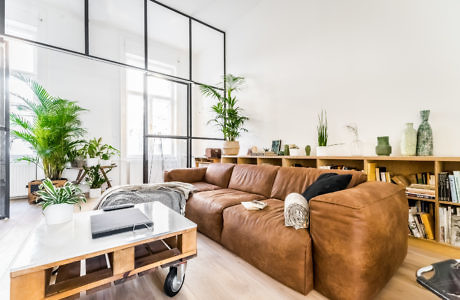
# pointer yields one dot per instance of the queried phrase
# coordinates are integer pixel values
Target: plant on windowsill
(228, 116)
(95, 179)
(52, 129)
(58, 202)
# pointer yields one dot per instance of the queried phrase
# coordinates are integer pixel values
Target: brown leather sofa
(356, 241)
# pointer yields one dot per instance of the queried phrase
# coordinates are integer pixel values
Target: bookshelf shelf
(422, 199)
(396, 165)
(449, 203)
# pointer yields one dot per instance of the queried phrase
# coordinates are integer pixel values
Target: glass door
(4, 134)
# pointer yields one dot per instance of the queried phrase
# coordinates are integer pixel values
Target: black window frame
(188, 81)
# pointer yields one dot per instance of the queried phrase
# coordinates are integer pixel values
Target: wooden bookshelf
(396, 165)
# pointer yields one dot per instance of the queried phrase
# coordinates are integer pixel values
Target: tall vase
(383, 146)
(424, 135)
(409, 141)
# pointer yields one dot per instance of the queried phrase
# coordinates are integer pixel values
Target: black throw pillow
(327, 183)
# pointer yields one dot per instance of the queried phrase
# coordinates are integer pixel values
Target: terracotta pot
(231, 148)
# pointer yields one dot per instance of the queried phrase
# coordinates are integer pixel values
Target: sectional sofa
(356, 241)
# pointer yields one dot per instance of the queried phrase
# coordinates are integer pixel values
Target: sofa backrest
(219, 174)
(296, 180)
(253, 179)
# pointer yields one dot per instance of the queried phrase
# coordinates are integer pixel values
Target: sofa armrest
(359, 239)
(185, 175)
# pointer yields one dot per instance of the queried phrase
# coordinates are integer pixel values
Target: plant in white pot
(322, 134)
(93, 149)
(228, 116)
(95, 180)
(58, 202)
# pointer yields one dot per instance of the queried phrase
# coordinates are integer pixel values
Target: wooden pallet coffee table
(85, 264)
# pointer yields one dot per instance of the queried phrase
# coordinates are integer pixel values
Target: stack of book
(449, 186)
(424, 191)
(449, 225)
(421, 221)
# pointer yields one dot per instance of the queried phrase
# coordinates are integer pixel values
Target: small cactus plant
(307, 150)
(286, 150)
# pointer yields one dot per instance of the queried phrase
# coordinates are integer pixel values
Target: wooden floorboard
(214, 274)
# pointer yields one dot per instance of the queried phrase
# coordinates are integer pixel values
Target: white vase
(105, 162)
(95, 193)
(91, 162)
(409, 140)
(58, 213)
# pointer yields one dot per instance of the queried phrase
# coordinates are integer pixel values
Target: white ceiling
(219, 13)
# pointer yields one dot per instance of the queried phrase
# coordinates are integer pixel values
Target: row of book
(449, 225)
(449, 186)
(375, 173)
(338, 167)
(424, 191)
(421, 224)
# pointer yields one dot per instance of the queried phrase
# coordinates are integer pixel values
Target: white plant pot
(95, 193)
(333, 150)
(91, 162)
(105, 162)
(58, 213)
(297, 152)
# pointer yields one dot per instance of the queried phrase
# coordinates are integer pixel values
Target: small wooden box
(213, 153)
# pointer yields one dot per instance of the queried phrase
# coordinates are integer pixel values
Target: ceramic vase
(383, 146)
(409, 140)
(424, 135)
(231, 148)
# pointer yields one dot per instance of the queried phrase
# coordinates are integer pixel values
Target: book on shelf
(449, 187)
(424, 191)
(449, 225)
(421, 224)
(371, 171)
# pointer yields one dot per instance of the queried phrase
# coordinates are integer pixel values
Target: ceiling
(219, 13)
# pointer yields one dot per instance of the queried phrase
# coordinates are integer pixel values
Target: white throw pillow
(296, 211)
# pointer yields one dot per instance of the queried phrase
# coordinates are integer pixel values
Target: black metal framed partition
(196, 32)
(4, 132)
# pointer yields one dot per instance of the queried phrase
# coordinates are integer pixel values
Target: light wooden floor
(216, 273)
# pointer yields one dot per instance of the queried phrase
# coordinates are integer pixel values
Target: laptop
(118, 221)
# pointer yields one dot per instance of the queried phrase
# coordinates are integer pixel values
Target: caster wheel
(173, 282)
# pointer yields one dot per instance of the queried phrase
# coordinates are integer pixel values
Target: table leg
(29, 286)
(79, 179)
(186, 242)
(106, 178)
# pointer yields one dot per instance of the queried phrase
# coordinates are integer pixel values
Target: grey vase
(425, 135)
(383, 146)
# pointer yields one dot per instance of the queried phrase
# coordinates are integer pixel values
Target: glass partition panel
(167, 107)
(207, 54)
(165, 154)
(4, 140)
(202, 113)
(53, 22)
(168, 41)
(116, 30)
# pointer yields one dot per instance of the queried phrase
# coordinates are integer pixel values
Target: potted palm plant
(58, 202)
(52, 129)
(228, 116)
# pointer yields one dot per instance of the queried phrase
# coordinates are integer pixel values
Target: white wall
(374, 63)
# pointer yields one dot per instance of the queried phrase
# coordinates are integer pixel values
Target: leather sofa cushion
(205, 209)
(204, 186)
(219, 174)
(262, 239)
(253, 179)
(296, 180)
(185, 175)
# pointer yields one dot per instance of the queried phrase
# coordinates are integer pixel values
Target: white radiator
(20, 175)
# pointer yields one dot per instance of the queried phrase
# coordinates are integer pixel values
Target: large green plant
(52, 130)
(228, 117)
(51, 195)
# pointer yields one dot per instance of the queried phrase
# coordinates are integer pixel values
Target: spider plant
(322, 128)
(228, 116)
(52, 131)
(67, 194)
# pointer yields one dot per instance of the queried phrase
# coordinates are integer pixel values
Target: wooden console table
(109, 259)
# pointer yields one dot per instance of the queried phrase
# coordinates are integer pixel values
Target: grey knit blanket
(172, 194)
(296, 211)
